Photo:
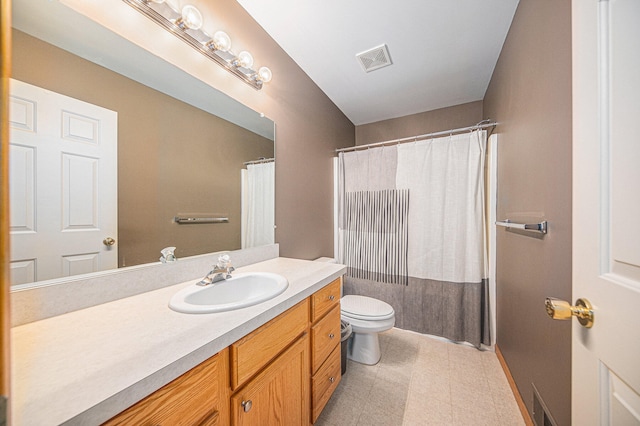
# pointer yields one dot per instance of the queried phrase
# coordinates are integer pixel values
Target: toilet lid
(363, 307)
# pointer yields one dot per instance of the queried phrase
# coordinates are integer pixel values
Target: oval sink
(237, 292)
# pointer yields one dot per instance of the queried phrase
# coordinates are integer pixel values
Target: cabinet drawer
(198, 397)
(254, 351)
(324, 382)
(325, 335)
(323, 300)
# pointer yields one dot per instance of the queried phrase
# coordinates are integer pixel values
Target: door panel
(63, 185)
(606, 207)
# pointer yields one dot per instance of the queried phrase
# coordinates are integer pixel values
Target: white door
(63, 185)
(606, 210)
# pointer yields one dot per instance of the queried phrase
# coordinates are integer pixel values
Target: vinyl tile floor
(422, 380)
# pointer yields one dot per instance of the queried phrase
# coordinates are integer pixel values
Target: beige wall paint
(172, 158)
(530, 97)
(421, 123)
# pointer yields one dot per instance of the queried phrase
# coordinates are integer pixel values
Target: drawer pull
(331, 335)
(246, 405)
(332, 297)
(332, 379)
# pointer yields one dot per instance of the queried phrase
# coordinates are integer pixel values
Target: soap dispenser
(168, 255)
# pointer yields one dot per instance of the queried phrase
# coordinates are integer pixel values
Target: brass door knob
(108, 241)
(562, 310)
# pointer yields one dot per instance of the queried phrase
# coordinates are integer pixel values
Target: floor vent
(541, 415)
(375, 58)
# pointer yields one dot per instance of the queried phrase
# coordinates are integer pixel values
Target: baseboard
(512, 384)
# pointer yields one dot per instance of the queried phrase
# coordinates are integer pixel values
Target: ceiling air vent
(375, 58)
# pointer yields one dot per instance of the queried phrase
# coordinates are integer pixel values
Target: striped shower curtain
(411, 230)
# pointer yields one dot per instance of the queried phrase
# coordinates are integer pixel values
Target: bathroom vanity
(134, 361)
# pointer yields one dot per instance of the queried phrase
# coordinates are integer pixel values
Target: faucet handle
(168, 255)
(224, 260)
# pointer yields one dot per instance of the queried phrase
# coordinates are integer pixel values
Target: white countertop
(86, 366)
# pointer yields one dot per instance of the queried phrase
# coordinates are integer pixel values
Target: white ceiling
(443, 51)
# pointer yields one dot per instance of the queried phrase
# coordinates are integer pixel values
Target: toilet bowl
(368, 317)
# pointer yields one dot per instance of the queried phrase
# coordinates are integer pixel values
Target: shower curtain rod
(481, 125)
(260, 161)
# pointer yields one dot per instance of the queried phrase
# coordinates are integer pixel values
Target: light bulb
(191, 18)
(221, 41)
(244, 59)
(264, 74)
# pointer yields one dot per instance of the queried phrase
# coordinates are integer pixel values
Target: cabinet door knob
(332, 297)
(331, 335)
(247, 405)
(332, 379)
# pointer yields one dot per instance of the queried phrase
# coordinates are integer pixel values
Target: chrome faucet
(221, 271)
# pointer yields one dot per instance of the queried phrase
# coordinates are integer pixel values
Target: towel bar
(534, 227)
(180, 219)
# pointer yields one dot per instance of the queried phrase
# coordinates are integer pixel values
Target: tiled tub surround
(83, 367)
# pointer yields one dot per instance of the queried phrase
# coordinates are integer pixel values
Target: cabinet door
(279, 395)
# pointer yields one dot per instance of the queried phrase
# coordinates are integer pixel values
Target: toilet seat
(369, 326)
(365, 308)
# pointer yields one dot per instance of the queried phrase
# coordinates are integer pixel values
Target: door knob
(246, 405)
(108, 241)
(562, 310)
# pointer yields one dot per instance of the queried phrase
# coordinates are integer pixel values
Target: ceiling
(443, 51)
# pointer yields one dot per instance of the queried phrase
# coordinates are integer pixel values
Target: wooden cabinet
(325, 348)
(198, 397)
(270, 372)
(283, 373)
(279, 394)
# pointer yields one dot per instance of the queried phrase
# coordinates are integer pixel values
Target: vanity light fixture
(186, 24)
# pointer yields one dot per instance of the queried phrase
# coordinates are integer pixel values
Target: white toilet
(368, 317)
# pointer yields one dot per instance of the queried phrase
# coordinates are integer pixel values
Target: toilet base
(364, 348)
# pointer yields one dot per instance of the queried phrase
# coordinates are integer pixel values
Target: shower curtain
(411, 230)
(258, 204)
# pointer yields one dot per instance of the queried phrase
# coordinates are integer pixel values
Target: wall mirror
(183, 149)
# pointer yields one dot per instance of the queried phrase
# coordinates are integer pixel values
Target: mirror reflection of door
(63, 185)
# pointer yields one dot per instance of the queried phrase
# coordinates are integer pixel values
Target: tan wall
(530, 97)
(172, 158)
(419, 124)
